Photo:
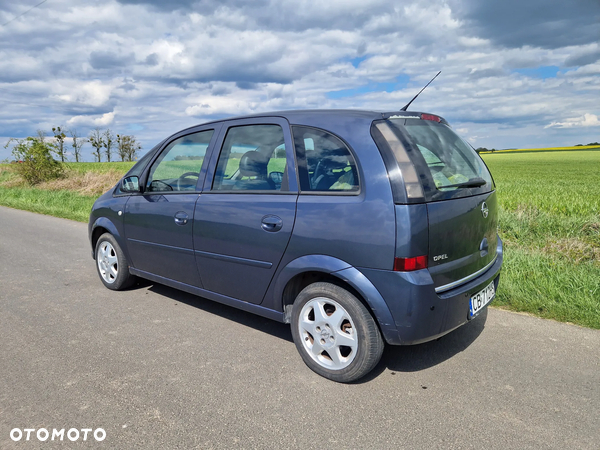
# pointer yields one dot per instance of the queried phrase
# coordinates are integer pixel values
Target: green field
(549, 221)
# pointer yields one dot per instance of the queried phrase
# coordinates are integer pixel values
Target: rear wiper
(473, 182)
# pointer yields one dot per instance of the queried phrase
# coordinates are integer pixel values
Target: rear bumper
(420, 314)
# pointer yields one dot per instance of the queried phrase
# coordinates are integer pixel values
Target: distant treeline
(483, 149)
(35, 155)
(187, 158)
(105, 143)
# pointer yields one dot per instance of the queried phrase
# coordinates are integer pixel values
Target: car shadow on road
(247, 319)
(407, 358)
(413, 358)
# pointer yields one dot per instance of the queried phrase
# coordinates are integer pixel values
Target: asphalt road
(157, 368)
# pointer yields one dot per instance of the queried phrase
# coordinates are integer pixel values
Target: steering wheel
(180, 183)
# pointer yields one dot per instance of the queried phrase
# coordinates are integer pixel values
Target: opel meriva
(358, 228)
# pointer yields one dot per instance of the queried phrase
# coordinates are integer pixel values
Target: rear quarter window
(325, 164)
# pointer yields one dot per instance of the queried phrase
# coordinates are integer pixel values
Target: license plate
(480, 299)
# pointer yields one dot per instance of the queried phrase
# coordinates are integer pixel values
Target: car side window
(252, 158)
(178, 167)
(136, 170)
(325, 164)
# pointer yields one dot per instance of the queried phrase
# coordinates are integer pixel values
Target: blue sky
(399, 83)
(514, 73)
(542, 72)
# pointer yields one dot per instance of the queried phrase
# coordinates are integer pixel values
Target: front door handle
(271, 223)
(181, 218)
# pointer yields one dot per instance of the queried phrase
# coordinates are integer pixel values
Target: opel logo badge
(484, 210)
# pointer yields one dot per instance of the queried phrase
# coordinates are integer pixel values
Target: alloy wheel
(328, 333)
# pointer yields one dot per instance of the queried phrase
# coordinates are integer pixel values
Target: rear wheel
(334, 332)
(111, 263)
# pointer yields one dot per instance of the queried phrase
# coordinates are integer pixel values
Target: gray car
(358, 228)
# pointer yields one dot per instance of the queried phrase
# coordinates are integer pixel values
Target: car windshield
(448, 161)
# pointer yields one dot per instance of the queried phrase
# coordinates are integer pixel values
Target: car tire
(335, 333)
(111, 264)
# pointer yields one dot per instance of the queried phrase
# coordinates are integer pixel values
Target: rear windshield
(448, 166)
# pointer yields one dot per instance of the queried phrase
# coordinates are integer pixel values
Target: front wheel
(334, 332)
(111, 264)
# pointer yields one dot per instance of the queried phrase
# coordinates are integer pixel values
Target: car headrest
(253, 164)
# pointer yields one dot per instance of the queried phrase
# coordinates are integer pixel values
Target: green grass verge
(550, 287)
(65, 204)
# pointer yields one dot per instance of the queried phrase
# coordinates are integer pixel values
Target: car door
(158, 222)
(245, 215)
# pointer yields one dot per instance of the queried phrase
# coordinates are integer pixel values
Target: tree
(95, 138)
(122, 146)
(59, 137)
(36, 163)
(127, 147)
(109, 141)
(77, 144)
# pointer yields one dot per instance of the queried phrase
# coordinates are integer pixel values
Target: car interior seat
(253, 172)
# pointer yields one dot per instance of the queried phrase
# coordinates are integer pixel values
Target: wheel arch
(104, 225)
(316, 268)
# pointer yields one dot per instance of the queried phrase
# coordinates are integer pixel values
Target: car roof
(312, 116)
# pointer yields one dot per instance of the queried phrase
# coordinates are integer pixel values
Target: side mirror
(130, 184)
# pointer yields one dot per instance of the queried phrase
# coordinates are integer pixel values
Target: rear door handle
(181, 218)
(271, 223)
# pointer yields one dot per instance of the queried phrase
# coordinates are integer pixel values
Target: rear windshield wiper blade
(473, 182)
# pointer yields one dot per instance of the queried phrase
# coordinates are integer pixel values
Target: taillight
(431, 117)
(410, 264)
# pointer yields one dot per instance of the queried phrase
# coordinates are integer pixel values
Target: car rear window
(443, 161)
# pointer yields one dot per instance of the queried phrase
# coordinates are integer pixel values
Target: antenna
(408, 104)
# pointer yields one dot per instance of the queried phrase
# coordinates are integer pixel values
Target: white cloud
(102, 121)
(587, 120)
(92, 93)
